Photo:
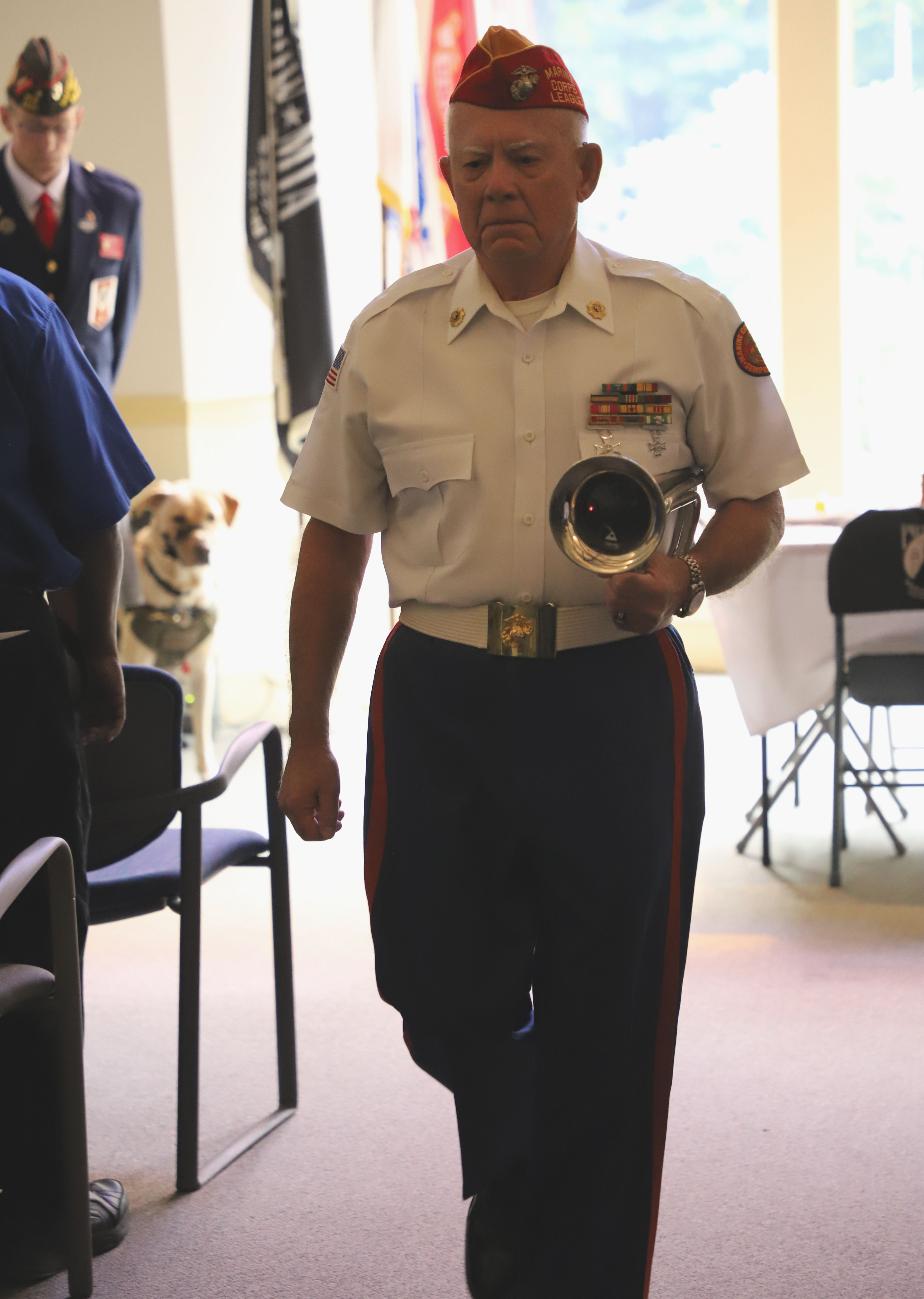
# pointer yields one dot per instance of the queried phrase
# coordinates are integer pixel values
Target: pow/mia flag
(284, 219)
(913, 558)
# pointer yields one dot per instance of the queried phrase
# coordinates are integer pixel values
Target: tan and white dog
(179, 526)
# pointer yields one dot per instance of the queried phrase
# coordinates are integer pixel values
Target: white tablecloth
(777, 634)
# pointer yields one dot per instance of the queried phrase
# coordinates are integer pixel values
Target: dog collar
(161, 581)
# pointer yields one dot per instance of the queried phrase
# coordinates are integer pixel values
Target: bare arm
(95, 600)
(330, 571)
(736, 539)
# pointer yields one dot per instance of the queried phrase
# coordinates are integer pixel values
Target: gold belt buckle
(524, 631)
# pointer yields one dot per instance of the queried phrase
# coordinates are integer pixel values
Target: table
(777, 636)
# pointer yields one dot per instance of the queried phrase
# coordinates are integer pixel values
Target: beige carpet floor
(795, 1164)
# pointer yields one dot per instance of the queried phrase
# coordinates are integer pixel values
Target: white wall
(116, 52)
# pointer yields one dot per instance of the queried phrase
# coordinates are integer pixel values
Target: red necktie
(46, 221)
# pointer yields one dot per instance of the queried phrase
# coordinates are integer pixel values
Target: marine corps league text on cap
(504, 70)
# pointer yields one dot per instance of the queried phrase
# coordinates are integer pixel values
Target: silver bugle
(609, 515)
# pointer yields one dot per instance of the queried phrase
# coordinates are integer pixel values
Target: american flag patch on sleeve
(333, 373)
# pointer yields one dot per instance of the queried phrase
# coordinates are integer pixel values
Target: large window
(883, 198)
(680, 97)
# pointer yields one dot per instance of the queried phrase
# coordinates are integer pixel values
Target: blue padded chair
(875, 566)
(140, 863)
(25, 986)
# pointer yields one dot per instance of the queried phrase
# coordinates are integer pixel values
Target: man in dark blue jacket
(71, 229)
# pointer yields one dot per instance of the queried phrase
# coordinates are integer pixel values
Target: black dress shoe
(108, 1214)
(32, 1252)
(494, 1234)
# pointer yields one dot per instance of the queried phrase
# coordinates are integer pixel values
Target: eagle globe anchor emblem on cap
(523, 82)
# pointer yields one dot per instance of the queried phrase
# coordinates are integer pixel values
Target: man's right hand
(309, 793)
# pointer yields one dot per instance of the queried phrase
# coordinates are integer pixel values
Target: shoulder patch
(747, 356)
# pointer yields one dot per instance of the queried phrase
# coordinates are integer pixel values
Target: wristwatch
(697, 588)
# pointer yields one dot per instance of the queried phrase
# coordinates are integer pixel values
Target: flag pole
(276, 249)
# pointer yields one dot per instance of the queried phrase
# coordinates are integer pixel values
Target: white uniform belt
(574, 626)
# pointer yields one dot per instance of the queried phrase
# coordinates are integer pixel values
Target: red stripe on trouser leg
(670, 976)
(378, 806)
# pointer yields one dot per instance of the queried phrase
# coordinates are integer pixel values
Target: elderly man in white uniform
(532, 823)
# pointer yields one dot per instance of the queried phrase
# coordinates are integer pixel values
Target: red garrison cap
(42, 81)
(505, 70)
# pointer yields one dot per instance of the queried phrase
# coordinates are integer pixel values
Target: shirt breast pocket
(432, 520)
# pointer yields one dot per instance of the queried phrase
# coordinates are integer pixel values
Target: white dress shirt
(28, 190)
(446, 425)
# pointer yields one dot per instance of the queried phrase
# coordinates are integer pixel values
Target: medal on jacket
(88, 222)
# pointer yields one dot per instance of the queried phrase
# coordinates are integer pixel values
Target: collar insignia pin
(456, 317)
(595, 309)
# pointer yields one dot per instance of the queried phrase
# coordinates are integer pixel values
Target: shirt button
(527, 358)
(51, 266)
(525, 597)
(529, 435)
(529, 519)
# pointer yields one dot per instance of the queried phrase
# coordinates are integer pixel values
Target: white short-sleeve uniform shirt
(445, 426)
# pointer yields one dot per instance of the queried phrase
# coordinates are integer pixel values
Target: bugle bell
(609, 515)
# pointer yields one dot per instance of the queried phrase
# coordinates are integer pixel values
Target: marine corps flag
(284, 219)
(452, 35)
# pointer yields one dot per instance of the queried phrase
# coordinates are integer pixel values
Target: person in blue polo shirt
(68, 468)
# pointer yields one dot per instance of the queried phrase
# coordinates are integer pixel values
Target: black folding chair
(139, 863)
(25, 986)
(876, 566)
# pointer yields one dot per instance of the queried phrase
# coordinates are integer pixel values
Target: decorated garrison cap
(42, 81)
(504, 70)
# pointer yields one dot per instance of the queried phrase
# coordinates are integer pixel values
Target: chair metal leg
(189, 1175)
(837, 816)
(795, 782)
(873, 769)
(867, 788)
(286, 1065)
(807, 741)
(187, 1125)
(765, 802)
(69, 1035)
